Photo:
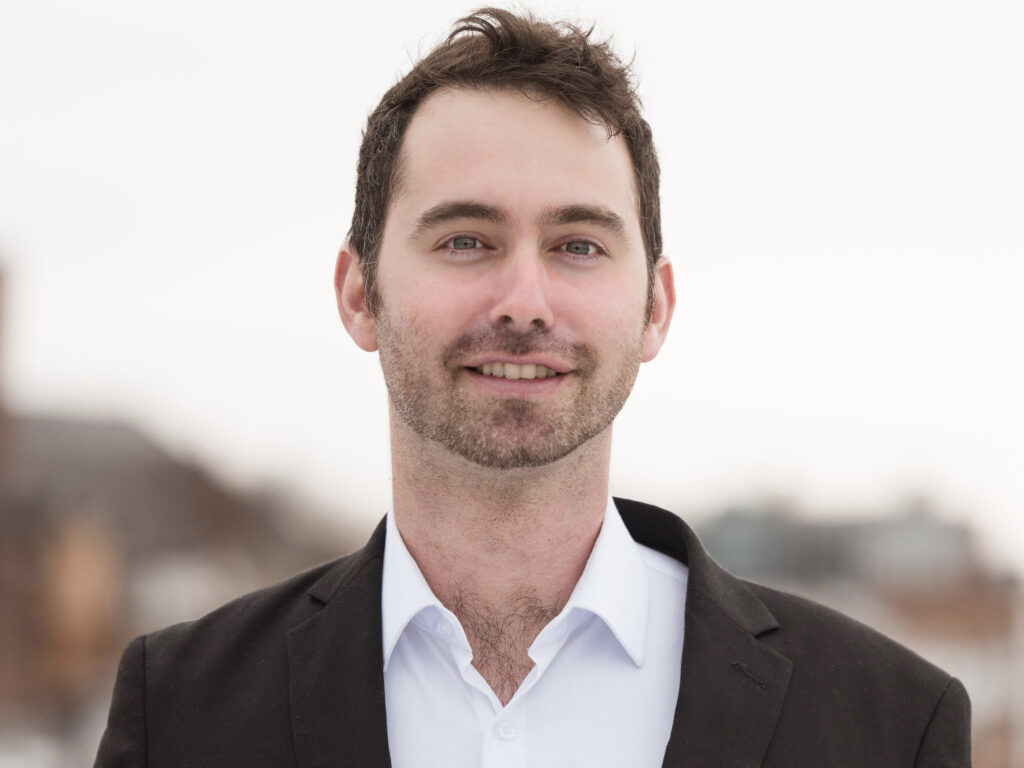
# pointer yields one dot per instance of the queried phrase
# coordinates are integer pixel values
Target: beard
(430, 393)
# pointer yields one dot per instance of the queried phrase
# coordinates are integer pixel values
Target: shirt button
(443, 629)
(506, 731)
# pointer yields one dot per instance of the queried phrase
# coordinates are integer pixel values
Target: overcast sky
(842, 200)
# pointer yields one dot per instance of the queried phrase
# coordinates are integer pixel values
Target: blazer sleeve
(947, 740)
(124, 741)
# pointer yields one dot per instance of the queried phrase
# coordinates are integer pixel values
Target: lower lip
(517, 387)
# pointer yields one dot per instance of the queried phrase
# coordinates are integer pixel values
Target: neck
(501, 549)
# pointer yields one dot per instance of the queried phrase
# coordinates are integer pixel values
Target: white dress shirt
(603, 688)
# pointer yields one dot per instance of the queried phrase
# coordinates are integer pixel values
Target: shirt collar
(614, 587)
(404, 591)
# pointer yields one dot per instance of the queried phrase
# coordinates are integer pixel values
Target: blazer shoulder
(267, 606)
(809, 630)
(223, 679)
(834, 652)
(846, 672)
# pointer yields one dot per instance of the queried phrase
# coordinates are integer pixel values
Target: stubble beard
(429, 393)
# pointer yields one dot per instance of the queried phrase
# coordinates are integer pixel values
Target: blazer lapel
(336, 669)
(730, 692)
(731, 685)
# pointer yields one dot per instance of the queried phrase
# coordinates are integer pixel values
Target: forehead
(506, 149)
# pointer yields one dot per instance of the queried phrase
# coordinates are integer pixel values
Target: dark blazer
(292, 676)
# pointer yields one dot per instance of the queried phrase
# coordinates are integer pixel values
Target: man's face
(512, 279)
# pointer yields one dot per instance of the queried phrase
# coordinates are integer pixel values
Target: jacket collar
(731, 684)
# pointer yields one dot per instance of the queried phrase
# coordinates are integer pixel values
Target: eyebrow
(585, 214)
(566, 214)
(459, 209)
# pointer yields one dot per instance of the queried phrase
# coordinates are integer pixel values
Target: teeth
(513, 371)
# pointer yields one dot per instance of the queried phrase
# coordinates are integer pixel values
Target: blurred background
(838, 410)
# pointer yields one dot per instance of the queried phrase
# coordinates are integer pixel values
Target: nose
(522, 294)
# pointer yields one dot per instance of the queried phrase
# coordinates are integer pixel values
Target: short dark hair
(494, 48)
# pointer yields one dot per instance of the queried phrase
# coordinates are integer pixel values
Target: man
(505, 261)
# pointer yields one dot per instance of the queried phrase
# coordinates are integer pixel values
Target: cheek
(612, 307)
(418, 327)
(430, 292)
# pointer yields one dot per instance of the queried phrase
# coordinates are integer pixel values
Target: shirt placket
(502, 730)
(505, 739)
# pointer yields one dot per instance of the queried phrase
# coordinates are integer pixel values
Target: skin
(500, 486)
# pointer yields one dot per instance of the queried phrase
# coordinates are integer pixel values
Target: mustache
(519, 343)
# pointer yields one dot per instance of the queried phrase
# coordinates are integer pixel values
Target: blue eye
(580, 247)
(581, 251)
(464, 243)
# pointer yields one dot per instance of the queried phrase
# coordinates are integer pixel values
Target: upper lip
(558, 366)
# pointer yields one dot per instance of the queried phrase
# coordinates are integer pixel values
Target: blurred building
(911, 575)
(106, 536)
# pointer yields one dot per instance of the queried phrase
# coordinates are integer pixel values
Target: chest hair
(501, 636)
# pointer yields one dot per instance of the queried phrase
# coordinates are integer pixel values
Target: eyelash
(461, 253)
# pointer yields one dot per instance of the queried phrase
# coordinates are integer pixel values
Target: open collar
(613, 586)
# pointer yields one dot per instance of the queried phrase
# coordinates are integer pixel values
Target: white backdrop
(842, 193)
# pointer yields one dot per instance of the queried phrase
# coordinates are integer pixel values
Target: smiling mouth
(514, 371)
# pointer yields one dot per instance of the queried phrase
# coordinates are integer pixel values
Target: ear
(350, 291)
(661, 316)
